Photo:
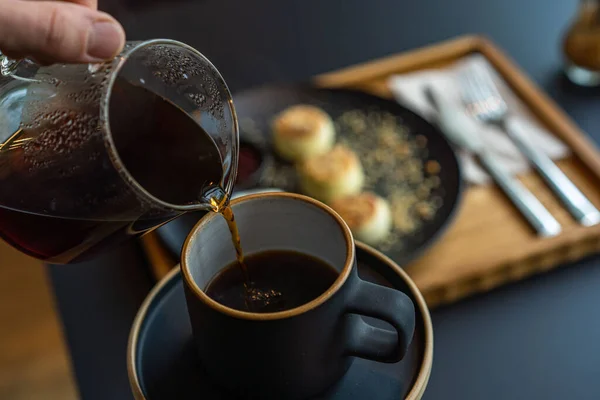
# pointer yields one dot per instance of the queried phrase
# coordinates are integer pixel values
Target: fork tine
(471, 93)
(464, 84)
(480, 83)
(488, 103)
(484, 91)
(485, 82)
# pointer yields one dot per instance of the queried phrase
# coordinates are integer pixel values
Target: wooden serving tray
(489, 243)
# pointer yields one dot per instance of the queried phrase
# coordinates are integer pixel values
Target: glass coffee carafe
(93, 154)
(581, 45)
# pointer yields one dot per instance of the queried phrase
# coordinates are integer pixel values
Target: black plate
(163, 364)
(259, 105)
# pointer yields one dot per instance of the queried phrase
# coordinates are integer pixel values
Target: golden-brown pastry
(368, 216)
(302, 131)
(332, 175)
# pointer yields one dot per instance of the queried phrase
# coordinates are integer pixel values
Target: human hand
(70, 31)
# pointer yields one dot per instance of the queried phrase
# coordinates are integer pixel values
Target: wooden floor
(33, 358)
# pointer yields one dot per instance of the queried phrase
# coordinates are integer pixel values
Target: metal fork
(484, 102)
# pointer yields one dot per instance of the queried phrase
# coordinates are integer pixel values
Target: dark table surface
(537, 339)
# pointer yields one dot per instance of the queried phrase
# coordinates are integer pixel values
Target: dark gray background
(537, 339)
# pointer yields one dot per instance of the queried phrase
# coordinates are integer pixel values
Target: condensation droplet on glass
(55, 82)
(93, 68)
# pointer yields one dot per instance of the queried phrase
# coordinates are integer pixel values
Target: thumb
(58, 32)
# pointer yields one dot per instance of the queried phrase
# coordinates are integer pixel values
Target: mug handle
(390, 305)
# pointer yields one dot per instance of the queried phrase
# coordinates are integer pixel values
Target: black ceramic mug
(300, 352)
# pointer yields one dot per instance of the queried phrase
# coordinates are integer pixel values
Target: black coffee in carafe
(71, 210)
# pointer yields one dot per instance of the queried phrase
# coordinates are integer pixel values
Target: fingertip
(52, 31)
(105, 40)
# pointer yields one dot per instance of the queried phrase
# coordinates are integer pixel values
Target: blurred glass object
(11, 105)
(581, 45)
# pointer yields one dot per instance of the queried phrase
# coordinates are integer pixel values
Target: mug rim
(292, 312)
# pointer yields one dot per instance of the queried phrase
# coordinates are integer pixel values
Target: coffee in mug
(279, 280)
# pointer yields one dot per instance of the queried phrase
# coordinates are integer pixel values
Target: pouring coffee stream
(219, 202)
(255, 298)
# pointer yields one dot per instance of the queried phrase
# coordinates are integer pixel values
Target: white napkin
(408, 89)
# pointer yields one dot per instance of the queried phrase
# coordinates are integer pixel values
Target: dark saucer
(162, 362)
